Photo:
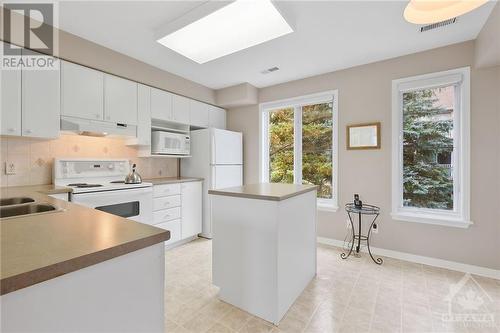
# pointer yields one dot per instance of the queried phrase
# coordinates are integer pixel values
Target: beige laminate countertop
(171, 180)
(265, 191)
(43, 246)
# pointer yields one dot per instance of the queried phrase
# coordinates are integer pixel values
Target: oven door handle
(140, 190)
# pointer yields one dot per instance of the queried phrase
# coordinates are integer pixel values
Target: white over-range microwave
(169, 143)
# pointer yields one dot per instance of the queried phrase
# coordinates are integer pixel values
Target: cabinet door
(143, 115)
(180, 109)
(198, 114)
(81, 91)
(120, 100)
(191, 208)
(161, 104)
(41, 102)
(217, 117)
(175, 230)
(10, 104)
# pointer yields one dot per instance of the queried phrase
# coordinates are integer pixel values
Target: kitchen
(148, 149)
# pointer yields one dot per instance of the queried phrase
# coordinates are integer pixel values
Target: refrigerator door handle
(213, 148)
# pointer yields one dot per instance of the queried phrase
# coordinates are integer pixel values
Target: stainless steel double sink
(22, 206)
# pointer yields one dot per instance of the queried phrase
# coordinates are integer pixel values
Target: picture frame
(363, 136)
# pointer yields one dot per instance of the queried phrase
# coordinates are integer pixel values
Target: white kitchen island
(264, 246)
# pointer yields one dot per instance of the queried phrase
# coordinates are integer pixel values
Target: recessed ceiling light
(234, 27)
(432, 11)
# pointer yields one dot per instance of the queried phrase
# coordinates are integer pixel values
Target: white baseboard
(452, 265)
(180, 242)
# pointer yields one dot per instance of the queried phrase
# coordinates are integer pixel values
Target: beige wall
(364, 96)
(488, 41)
(34, 158)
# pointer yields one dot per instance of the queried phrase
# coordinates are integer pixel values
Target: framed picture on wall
(363, 136)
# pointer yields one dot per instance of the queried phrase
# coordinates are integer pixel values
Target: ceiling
(328, 36)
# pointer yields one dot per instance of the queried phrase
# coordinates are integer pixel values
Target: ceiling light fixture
(432, 11)
(234, 27)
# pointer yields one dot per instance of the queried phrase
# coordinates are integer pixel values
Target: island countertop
(39, 247)
(265, 191)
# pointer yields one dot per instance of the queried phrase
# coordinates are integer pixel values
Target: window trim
(460, 216)
(295, 102)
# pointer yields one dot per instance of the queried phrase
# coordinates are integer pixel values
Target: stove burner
(84, 185)
(117, 182)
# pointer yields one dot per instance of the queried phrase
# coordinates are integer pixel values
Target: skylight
(237, 26)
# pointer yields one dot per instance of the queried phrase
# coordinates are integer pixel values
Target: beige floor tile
(256, 325)
(292, 324)
(198, 323)
(235, 319)
(219, 328)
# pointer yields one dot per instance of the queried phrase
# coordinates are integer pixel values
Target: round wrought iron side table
(368, 210)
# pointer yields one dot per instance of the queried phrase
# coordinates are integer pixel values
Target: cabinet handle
(28, 131)
(12, 129)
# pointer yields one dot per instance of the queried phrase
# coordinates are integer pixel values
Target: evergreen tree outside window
(427, 134)
(298, 144)
(430, 154)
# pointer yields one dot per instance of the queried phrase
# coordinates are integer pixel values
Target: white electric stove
(99, 184)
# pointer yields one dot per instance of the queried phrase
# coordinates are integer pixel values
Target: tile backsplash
(33, 158)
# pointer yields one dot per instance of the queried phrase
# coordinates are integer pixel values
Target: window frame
(460, 215)
(297, 103)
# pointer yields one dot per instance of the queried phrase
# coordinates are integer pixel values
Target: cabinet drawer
(166, 215)
(175, 230)
(165, 190)
(166, 202)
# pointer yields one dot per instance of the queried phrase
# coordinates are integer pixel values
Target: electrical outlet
(10, 168)
(375, 228)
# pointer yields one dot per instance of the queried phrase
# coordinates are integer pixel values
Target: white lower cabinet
(191, 194)
(166, 215)
(175, 230)
(178, 208)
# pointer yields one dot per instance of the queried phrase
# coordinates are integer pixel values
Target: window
(430, 156)
(298, 144)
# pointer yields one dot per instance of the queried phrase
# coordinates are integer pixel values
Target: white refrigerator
(217, 157)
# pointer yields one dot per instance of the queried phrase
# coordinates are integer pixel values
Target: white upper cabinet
(191, 195)
(81, 91)
(217, 117)
(10, 102)
(161, 105)
(143, 115)
(198, 114)
(120, 100)
(41, 102)
(180, 109)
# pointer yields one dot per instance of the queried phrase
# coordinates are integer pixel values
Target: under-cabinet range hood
(96, 127)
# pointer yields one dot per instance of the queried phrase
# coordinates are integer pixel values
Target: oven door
(135, 204)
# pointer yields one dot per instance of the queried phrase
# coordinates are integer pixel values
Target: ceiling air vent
(438, 25)
(270, 70)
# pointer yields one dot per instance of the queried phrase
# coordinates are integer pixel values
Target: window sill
(429, 219)
(327, 208)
